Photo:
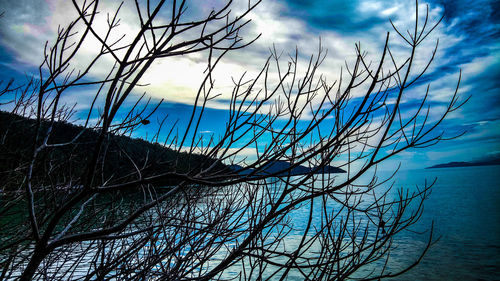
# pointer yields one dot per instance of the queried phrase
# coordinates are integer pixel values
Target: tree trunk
(38, 256)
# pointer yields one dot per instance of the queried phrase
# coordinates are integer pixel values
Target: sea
(464, 206)
(464, 209)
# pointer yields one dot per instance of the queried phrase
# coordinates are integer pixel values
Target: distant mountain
(281, 167)
(467, 164)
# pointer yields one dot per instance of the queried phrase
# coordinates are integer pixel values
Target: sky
(468, 42)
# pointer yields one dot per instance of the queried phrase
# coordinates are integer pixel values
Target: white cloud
(177, 79)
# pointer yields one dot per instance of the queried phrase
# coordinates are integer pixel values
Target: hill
(467, 164)
(57, 165)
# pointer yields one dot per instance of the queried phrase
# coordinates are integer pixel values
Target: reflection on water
(464, 205)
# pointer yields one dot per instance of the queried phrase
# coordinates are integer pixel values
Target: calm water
(465, 207)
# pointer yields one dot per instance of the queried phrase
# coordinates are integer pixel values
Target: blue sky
(468, 38)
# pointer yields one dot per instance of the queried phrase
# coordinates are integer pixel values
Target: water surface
(465, 207)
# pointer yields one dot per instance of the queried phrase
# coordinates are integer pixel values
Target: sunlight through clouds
(285, 25)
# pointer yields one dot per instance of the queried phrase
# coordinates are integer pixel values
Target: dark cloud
(18, 13)
(477, 23)
(338, 15)
(479, 20)
(25, 11)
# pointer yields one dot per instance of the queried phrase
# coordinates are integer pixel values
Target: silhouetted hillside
(60, 165)
(467, 164)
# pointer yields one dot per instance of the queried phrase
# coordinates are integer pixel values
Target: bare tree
(71, 216)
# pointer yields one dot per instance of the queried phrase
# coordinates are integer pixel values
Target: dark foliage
(58, 164)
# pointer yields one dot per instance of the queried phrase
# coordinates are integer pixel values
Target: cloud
(467, 40)
(273, 19)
